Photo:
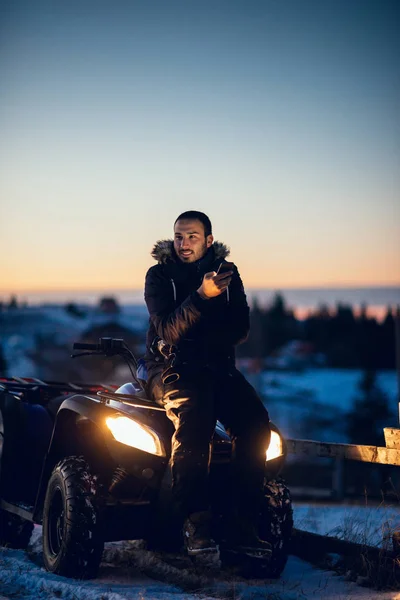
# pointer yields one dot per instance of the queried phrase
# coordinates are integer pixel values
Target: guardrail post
(392, 437)
(392, 440)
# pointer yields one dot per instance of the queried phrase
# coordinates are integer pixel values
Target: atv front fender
(80, 430)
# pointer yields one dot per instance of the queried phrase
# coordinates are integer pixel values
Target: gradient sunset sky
(278, 118)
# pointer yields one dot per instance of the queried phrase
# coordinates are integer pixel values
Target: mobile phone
(225, 266)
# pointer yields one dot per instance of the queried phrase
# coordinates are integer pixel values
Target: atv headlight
(134, 434)
(275, 446)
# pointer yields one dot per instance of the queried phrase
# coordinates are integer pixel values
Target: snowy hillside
(295, 401)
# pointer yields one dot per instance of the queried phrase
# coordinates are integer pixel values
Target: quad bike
(90, 463)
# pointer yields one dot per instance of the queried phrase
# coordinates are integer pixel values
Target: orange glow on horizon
(120, 286)
(374, 311)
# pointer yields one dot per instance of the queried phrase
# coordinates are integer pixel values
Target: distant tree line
(346, 340)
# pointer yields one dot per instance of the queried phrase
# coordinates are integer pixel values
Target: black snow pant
(193, 403)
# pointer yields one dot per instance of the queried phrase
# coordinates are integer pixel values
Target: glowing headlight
(130, 432)
(275, 446)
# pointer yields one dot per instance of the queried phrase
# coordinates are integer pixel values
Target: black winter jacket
(202, 331)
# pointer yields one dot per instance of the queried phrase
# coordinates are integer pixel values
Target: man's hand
(214, 285)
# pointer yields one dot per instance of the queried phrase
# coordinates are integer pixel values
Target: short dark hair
(198, 216)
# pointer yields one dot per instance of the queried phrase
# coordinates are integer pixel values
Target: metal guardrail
(390, 455)
(384, 562)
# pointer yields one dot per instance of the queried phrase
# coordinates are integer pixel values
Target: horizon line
(139, 289)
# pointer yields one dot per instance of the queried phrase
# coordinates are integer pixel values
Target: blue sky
(280, 119)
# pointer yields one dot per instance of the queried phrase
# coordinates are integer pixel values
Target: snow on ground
(129, 572)
(371, 525)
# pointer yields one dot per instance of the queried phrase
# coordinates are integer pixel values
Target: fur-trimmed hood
(163, 251)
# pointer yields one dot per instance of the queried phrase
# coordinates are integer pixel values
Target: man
(197, 316)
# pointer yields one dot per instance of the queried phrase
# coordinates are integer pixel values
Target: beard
(194, 255)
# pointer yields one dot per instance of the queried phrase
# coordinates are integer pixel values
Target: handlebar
(81, 346)
(106, 344)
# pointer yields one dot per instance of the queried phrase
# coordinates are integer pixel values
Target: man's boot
(242, 539)
(197, 535)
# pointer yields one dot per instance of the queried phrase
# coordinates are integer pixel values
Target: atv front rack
(130, 400)
(36, 391)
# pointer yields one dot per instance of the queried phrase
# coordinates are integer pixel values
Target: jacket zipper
(174, 288)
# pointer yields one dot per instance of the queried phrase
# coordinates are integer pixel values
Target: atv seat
(27, 434)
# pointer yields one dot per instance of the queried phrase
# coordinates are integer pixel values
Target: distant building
(295, 355)
(109, 306)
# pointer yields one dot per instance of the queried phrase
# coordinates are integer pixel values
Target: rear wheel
(275, 526)
(15, 532)
(72, 541)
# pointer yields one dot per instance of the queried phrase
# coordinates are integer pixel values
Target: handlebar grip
(81, 346)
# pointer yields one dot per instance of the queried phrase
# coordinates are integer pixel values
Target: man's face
(190, 242)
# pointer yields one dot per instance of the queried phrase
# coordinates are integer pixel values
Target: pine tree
(370, 413)
(13, 303)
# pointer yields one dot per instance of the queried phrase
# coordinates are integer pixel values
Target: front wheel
(72, 542)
